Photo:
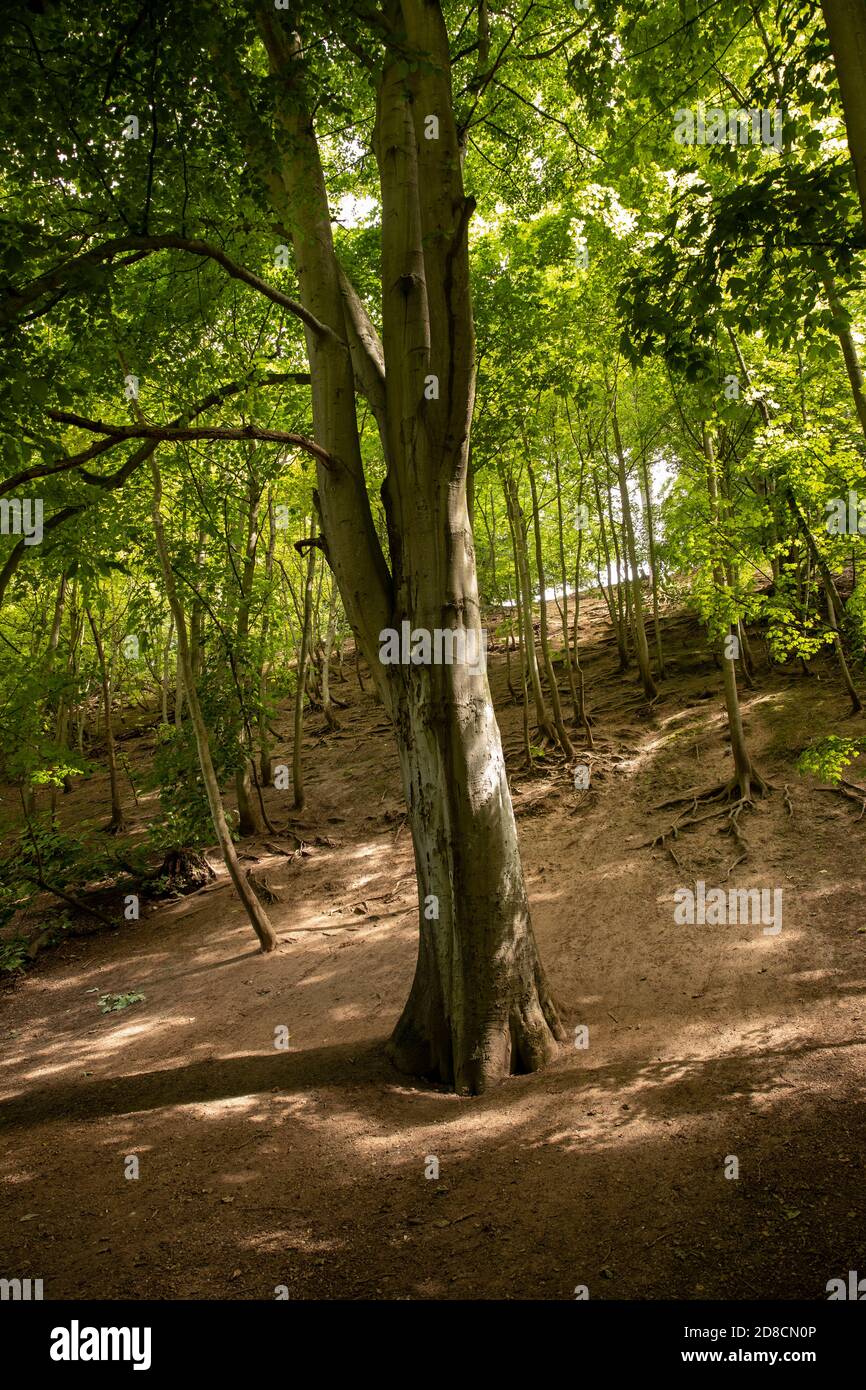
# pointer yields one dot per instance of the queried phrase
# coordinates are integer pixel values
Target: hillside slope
(306, 1167)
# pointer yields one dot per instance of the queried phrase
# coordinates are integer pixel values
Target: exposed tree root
(114, 827)
(734, 800)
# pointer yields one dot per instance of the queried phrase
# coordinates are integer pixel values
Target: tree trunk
(518, 534)
(746, 776)
(166, 668)
(561, 733)
(258, 917)
(297, 771)
(850, 355)
(265, 759)
(250, 817)
(638, 624)
(846, 27)
(850, 688)
(580, 712)
(178, 692)
(117, 822)
(563, 579)
(615, 601)
(654, 575)
(479, 1006)
(327, 707)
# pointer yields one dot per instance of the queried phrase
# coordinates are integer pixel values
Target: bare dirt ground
(306, 1167)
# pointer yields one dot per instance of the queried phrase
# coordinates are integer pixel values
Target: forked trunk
(479, 1007)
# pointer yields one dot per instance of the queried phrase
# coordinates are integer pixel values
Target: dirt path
(305, 1168)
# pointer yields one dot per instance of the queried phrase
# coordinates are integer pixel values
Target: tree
(479, 1007)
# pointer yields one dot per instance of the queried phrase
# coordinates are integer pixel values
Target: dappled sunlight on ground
(304, 1166)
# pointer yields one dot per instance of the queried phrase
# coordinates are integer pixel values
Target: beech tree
(479, 1006)
(245, 247)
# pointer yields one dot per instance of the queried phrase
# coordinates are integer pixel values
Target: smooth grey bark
(479, 1006)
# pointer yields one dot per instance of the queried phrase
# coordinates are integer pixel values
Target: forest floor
(306, 1167)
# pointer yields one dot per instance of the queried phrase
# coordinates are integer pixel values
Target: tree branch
(15, 301)
(222, 393)
(169, 433)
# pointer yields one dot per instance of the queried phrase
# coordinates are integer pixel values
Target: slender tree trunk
(297, 771)
(620, 591)
(563, 579)
(327, 707)
(166, 668)
(561, 732)
(746, 777)
(250, 818)
(258, 917)
(498, 594)
(197, 610)
(518, 533)
(53, 643)
(580, 712)
(638, 624)
(265, 759)
(117, 822)
(746, 652)
(850, 356)
(613, 606)
(654, 575)
(524, 664)
(179, 692)
(850, 688)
